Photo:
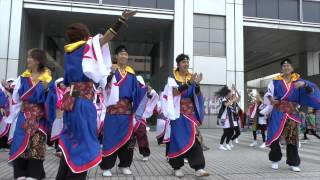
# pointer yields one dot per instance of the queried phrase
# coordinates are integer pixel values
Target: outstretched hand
(196, 78)
(128, 14)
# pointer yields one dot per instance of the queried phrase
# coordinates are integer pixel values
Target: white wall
(215, 7)
(217, 71)
(10, 16)
(5, 8)
(213, 69)
(178, 43)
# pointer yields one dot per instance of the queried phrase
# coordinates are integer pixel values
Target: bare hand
(196, 78)
(128, 14)
(193, 78)
(199, 78)
(299, 84)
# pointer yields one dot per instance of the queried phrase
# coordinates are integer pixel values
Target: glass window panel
(143, 3)
(218, 22)
(311, 11)
(217, 35)
(267, 9)
(289, 10)
(201, 21)
(250, 8)
(87, 1)
(165, 4)
(217, 49)
(117, 2)
(201, 34)
(201, 49)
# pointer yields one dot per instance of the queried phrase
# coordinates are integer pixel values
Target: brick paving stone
(243, 162)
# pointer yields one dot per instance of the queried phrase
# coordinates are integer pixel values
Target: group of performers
(277, 111)
(98, 110)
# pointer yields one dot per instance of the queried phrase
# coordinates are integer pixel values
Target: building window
(311, 11)
(209, 35)
(159, 4)
(272, 9)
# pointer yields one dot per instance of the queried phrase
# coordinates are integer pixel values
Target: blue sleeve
(138, 93)
(312, 98)
(50, 104)
(198, 102)
(3, 99)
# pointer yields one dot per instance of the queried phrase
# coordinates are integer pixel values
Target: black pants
(312, 132)
(28, 168)
(125, 154)
(262, 133)
(194, 155)
(65, 173)
(227, 133)
(275, 154)
(262, 128)
(4, 142)
(237, 133)
(144, 151)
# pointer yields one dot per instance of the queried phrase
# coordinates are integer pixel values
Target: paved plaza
(242, 163)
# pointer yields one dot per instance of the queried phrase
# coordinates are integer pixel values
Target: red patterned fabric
(84, 90)
(186, 106)
(286, 107)
(33, 113)
(123, 106)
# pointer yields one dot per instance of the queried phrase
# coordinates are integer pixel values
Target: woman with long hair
(28, 145)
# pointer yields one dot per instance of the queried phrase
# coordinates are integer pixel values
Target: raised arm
(113, 30)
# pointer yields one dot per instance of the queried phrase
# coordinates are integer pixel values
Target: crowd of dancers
(97, 112)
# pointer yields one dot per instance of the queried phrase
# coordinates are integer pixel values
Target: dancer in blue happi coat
(182, 103)
(286, 92)
(87, 61)
(28, 144)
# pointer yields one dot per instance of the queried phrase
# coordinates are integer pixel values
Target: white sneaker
(107, 173)
(221, 147)
(185, 161)
(275, 165)
(125, 171)
(295, 168)
(21, 178)
(145, 158)
(254, 143)
(30, 178)
(236, 141)
(178, 173)
(263, 145)
(228, 147)
(231, 144)
(202, 173)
